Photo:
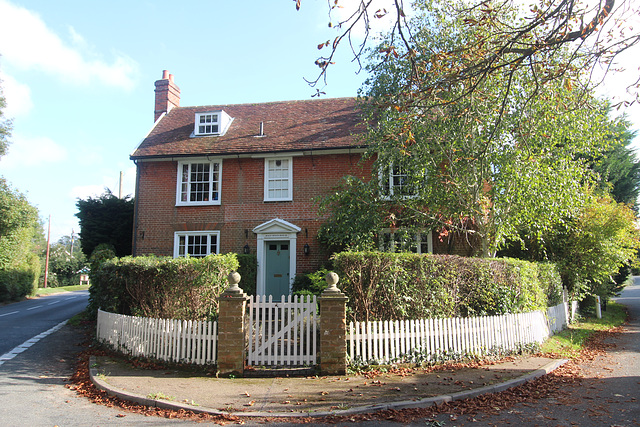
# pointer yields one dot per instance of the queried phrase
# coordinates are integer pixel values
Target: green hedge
(248, 271)
(389, 286)
(161, 287)
(21, 279)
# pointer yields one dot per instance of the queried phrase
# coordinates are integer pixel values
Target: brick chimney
(167, 95)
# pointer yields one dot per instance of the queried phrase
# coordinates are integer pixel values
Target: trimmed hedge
(161, 287)
(389, 286)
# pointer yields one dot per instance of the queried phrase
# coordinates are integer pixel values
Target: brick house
(244, 178)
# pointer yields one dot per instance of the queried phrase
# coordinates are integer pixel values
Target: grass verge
(48, 291)
(571, 341)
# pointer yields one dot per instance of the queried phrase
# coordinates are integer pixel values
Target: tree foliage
(106, 219)
(517, 35)
(595, 245)
(19, 264)
(5, 126)
(65, 265)
(618, 168)
(488, 164)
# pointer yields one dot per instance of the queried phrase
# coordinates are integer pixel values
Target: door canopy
(277, 226)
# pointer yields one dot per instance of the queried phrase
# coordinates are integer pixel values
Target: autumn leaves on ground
(569, 375)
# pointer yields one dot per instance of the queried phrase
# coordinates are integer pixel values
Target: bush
(248, 271)
(389, 286)
(161, 287)
(20, 281)
(310, 283)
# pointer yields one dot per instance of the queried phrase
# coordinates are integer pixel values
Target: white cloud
(17, 95)
(86, 191)
(77, 38)
(32, 151)
(27, 43)
(110, 180)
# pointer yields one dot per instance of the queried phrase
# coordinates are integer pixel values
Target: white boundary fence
(390, 341)
(292, 338)
(183, 341)
(282, 333)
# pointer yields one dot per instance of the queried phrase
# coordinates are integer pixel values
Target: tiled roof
(288, 126)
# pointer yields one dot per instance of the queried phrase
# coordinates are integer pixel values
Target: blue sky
(79, 80)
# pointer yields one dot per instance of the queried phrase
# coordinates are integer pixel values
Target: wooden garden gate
(282, 333)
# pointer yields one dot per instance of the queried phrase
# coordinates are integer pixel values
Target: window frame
(386, 177)
(186, 234)
(418, 240)
(212, 182)
(223, 123)
(288, 179)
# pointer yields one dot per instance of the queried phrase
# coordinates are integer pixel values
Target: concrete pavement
(312, 395)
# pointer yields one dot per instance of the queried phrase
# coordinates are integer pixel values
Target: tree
(106, 219)
(64, 266)
(5, 126)
(569, 35)
(593, 246)
(19, 265)
(485, 164)
(618, 167)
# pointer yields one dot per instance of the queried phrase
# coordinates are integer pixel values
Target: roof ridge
(292, 101)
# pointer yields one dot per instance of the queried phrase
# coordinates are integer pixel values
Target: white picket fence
(282, 333)
(394, 341)
(184, 341)
(561, 315)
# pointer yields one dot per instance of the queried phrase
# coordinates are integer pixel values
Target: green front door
(277, 269)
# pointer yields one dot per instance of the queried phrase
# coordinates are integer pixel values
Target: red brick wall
(242, 204)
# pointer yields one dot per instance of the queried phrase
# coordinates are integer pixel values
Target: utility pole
(46, 265)
(120, 187)
(72, 233)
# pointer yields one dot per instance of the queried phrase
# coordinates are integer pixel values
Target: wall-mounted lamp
(246, 249)
(306, 249)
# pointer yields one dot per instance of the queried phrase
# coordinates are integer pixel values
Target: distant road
(25, 320)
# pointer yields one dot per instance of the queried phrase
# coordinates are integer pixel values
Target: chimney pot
(165, 74)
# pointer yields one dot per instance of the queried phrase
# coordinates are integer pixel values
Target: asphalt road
(22, 321)
(36, 365)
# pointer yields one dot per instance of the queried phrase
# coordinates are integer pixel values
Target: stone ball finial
(234, 279)
(332, 280)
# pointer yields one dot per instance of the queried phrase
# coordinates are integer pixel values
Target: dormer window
(208, 123)
(211, 123)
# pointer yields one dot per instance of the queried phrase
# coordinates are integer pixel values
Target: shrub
(310, 283)
(389, 286)
(20, 280)
(248, 270)
(161, 287)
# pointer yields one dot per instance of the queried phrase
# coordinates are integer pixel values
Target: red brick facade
(319, 137)
(242, 206)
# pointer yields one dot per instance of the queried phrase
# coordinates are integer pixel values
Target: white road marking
(33, 308)
(28, 343)
(55, 302)
(7, 314)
